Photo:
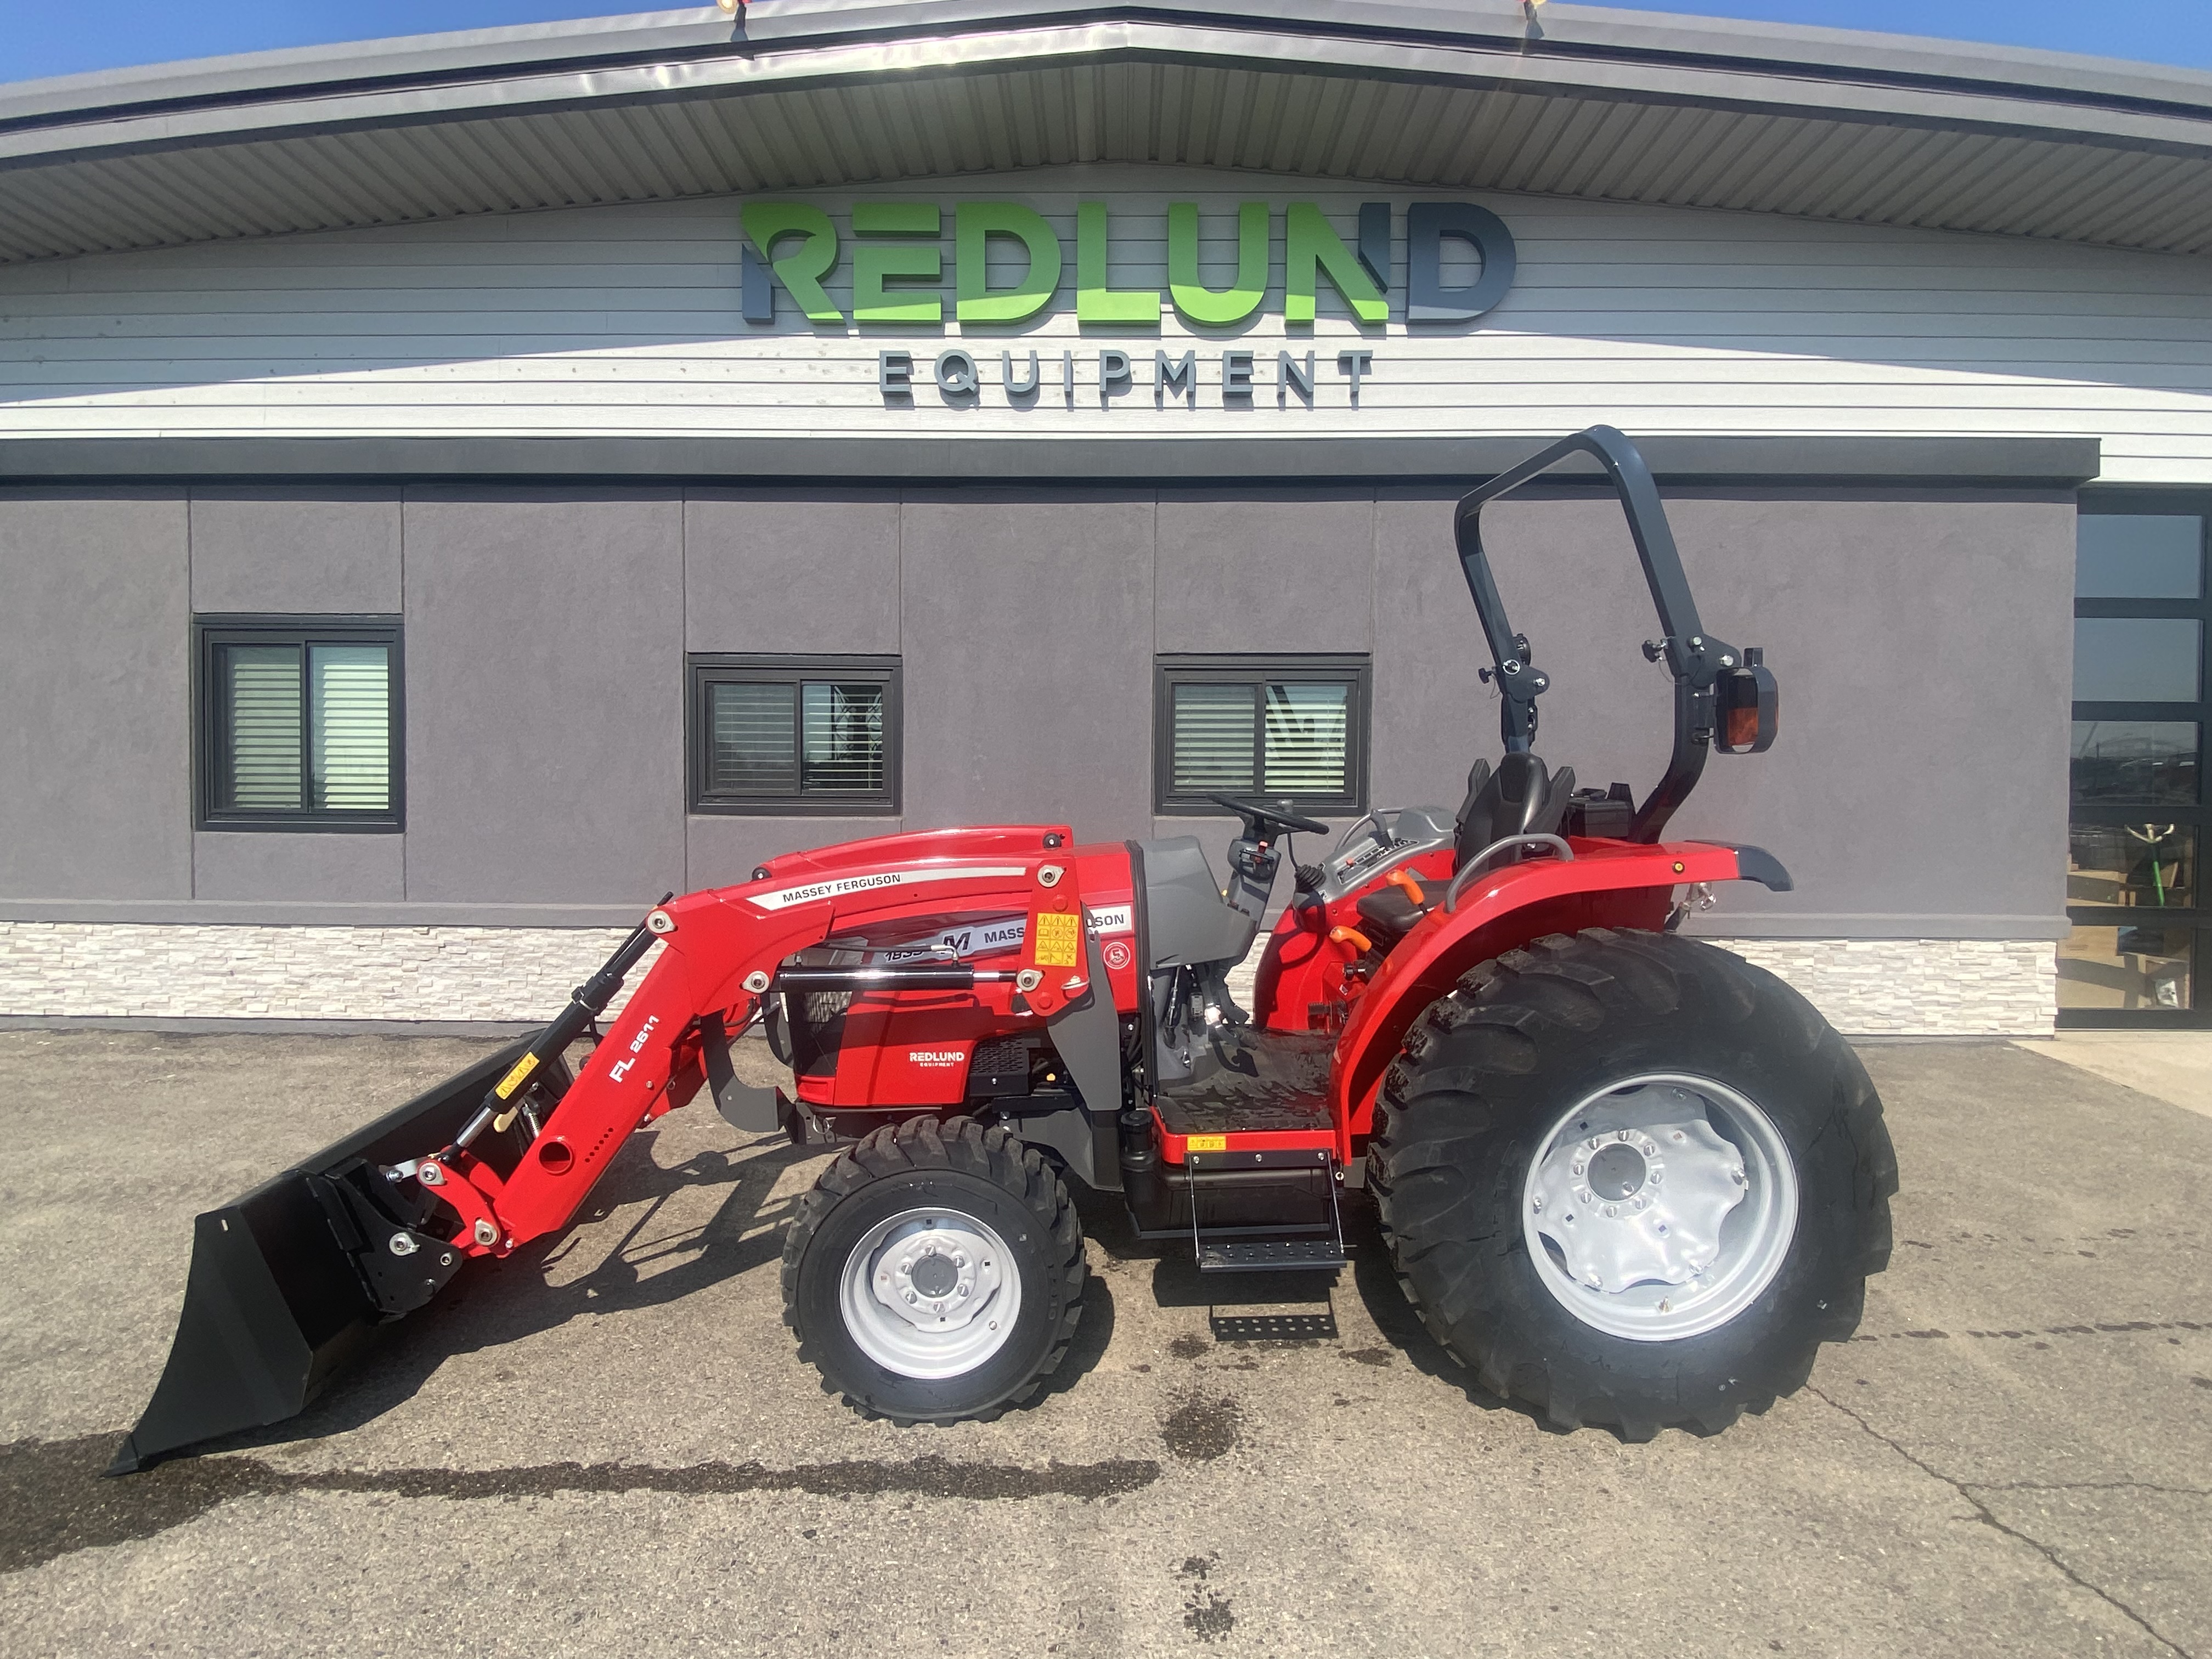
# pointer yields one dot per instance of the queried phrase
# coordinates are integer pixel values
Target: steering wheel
(1258, 814)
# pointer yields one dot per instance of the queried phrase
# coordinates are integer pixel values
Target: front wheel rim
(1660, 1207)
(930, 1293)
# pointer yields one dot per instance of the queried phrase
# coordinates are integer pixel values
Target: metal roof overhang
(1590, 103)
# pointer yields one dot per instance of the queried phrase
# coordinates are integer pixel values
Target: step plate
(1231, 1255)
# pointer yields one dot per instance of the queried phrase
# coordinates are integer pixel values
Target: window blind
(262, 726)
(752, 739)
(1212, 737)
(349, 717)
(1308, 747)
(842, 740)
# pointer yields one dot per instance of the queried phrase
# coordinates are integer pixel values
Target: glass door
(2139, 924)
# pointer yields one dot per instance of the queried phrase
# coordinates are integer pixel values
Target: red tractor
(1627, 1176)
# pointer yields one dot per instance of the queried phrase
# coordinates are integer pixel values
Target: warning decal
(1059, 940)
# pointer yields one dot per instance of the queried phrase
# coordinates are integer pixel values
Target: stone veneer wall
(128, 970)
(1895, 988)
(68, 970)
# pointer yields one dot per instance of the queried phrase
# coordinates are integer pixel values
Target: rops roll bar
(1714, 681)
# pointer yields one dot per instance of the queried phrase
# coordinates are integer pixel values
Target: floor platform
(1266, 1082)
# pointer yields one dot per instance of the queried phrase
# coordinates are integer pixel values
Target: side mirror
(1746, 701)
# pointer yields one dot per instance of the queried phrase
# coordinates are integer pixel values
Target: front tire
(1633, 1179)
(935, 1273)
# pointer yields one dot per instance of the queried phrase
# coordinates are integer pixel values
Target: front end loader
(1627, 1177)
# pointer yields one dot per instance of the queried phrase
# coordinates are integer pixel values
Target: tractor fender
(1605, 885)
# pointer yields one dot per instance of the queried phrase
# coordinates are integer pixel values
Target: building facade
(453, 494)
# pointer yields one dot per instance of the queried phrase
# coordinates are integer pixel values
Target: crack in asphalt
(2120, 1327)
(56, 1500)
(1988, 1517)
(2088, 1485)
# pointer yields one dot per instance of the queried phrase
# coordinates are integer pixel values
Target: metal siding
(622, 323)
(1327, 117)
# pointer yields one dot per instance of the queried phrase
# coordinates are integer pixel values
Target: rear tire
(1668, 1058)
(935, 1273)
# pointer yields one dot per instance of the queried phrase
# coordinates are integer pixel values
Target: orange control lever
(1349, 936)
(1405, 878)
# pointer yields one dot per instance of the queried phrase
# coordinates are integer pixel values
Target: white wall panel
(624, 321)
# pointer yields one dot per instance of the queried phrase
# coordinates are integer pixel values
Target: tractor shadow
(1176, 1282)
(653, 1262)
(494, 1303)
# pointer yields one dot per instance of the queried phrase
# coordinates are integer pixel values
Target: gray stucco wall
(95, 744)
(1922, 636)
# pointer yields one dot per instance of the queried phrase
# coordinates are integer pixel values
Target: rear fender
(1606, 885)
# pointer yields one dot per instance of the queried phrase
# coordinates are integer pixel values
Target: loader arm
(288, 1282)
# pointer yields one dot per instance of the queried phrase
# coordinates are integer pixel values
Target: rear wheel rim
(930, 1293)
(1660, 1207)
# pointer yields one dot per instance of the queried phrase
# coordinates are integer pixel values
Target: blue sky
(50, 37)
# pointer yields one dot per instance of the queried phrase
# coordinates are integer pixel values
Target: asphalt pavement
(607, 1445)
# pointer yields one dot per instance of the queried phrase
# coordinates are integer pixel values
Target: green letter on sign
(873, 262)
(1198, 304)
(1095, 302)
(974, 224)
(801, 271)
(1308, 242)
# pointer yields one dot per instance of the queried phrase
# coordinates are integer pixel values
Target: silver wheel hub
(930, 1293)
(1660, 1208)
(1630, 1206)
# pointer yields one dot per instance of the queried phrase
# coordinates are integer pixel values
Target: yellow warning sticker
(1206, 1143)
(513, 1080)
(1058, 939)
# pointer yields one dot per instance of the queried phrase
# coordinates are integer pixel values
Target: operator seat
(1518, 798)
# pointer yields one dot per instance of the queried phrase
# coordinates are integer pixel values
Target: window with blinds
(1284, 727)
(299, 723)
(795, 734)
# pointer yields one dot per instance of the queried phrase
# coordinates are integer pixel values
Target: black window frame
(1354, 669)
(210, 633)
(704, 669)
(2197, 919)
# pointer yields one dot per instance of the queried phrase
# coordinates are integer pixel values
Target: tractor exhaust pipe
(288, 1283)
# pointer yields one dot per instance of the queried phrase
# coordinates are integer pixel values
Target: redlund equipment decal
(934, 1056)
(783, 897)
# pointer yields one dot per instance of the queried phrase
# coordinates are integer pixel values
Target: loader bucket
(288, 1282)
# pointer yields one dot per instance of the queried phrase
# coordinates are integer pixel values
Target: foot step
(1261, 1255)
(1274, 1327)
